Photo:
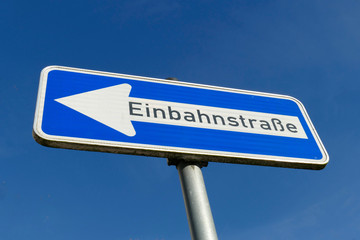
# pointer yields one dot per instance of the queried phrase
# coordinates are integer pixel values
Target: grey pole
(197, 204)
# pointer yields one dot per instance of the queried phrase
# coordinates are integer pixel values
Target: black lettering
(232, 121)
(243, 121)
(251, 122)
(171, 112)
(155, 110)
(131, 108)
(147, 110)
(277, 121)
(265, 125)
(221, 118)
(200, 115)
(291, 127)
(189, 117)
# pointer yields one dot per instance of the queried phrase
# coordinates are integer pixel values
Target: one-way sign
(98, 111)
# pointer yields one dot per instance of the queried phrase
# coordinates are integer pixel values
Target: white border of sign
(170, 152)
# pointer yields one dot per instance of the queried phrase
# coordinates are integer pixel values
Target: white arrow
(113, 107)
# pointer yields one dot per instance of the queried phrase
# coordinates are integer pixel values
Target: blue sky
(305, 49)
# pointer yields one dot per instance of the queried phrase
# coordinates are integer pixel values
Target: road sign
(99, 111)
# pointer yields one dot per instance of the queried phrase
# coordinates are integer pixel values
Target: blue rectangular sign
(99, 111)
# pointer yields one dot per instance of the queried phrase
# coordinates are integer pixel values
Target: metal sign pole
(197, 204)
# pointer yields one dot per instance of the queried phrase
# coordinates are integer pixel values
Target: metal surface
(108, 112)
(197, 205)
